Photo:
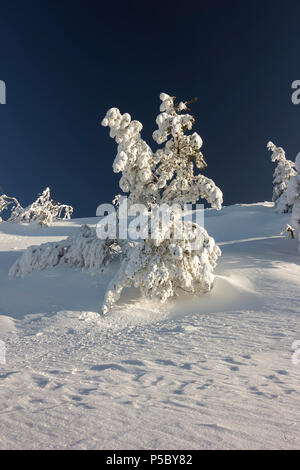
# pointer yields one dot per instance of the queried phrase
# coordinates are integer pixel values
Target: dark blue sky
(66, 62)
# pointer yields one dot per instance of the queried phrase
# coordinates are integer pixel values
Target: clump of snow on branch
(282, 174)
(288, 231)
(134, 158)
(293, 198)
(43, 211)
(161, 267)
(83, 250)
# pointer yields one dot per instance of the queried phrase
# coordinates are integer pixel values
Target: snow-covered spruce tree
(160, 267)
(282, 174)
(293, 198)
(44, 211)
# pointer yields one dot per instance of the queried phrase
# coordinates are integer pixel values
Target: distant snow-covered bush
(83, 250)
(293, 198)
(44, 211)
(282, 174)
(8, 202)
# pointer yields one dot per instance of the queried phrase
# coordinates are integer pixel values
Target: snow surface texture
(214, 372)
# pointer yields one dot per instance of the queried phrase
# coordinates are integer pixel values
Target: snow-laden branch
(44, 211)
(8, 202)
(83, 250)
(134, 158)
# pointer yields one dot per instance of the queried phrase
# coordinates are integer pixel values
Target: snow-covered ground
(201, 373)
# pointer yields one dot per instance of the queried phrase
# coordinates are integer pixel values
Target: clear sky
(66, 62)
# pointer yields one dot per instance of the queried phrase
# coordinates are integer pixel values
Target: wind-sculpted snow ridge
(83, 250)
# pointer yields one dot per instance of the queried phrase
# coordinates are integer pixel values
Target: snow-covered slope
(202, 373)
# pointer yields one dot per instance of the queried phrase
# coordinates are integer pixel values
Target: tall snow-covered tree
(158, 266)
(293, 198)
(282, 174)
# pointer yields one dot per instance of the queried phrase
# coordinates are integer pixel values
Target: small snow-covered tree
(282, 174)
(83, 250)
(44, 211)
(8, 202)
(293, 198)
(160, 267)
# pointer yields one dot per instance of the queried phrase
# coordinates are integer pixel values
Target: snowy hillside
(201, 373)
